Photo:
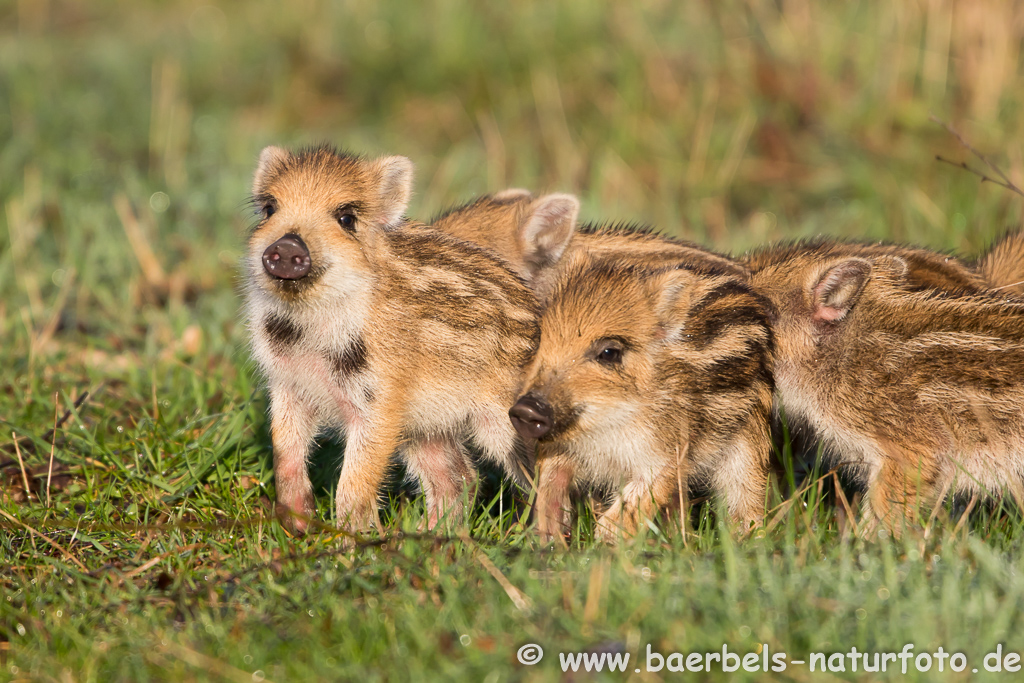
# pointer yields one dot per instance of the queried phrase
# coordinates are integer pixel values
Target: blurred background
(129, 131)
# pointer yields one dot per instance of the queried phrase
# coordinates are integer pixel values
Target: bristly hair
(473, 203)
(784, 250)
(321, 155)
(632, 228)
(621, 228)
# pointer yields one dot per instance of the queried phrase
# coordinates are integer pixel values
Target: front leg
(292, 428)
(741, 476)
(555, 475)
(638, 502)
(370, 442)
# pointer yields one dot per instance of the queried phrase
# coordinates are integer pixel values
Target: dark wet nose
(531, 416)
(287, 258)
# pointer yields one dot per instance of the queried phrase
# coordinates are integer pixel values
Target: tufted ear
(547, 230)
(271, 158)
(675, 289)
(392, 177)
(839, 288)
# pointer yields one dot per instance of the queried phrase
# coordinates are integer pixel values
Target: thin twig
(207, 663)
(56, 545)
(846, 504)
(21, 463)
(67, 414)
(966, 514)
(1004, 183)
(1012, 284)
(519, 599)
(53, 447)
(152, 561)
(30, 445)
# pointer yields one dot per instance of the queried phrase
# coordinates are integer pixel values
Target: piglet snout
(531, 416)
(287, 259)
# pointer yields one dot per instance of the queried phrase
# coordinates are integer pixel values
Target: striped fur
(695, 380)
(407, 339)
(690, 400)
(915, 387)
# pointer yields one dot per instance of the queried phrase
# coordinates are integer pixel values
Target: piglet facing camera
(406, 339)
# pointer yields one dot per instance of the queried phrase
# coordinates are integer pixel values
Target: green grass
(152, 554)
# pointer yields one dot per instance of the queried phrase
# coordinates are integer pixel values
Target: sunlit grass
(129, 132)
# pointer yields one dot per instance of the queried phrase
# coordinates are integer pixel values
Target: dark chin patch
(565, 421)
(281, 332)
(294, 289)
(351, 359)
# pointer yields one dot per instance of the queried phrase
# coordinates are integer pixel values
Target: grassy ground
(128, 134)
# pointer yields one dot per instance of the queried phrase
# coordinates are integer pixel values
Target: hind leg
(446, 475)
(894, 499)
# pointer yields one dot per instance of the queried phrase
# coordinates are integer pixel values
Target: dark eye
(347, 220)
(610, 354)
(269, 210)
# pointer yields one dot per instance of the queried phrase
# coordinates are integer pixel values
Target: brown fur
(914, 387)
(404, 337)
(700, 399)
(925, 269)
(690, 399)
(530, 233)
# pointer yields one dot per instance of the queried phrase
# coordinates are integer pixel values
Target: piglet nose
(531, 416)
(287, 258)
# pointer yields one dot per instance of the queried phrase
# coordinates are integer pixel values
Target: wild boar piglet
(918, 390)
(651, 374)
(407, 339)
(618, 395)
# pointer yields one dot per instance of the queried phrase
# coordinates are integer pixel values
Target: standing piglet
(654, 354)
(918, 390)
(405, 338)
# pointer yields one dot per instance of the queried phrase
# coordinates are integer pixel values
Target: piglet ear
(673, 298)
(839, 288)
(271, 159)
(392, 177)
(548, 229)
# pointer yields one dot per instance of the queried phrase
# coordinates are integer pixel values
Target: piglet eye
(269, 210)
(347, 220)
(610, 355)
